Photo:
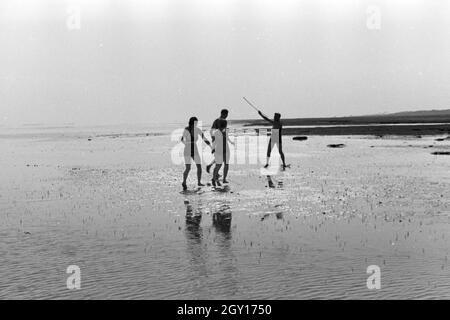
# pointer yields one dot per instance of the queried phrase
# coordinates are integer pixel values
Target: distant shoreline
(402, 125)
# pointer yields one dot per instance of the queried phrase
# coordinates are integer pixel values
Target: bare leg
(280, 149)
(225, 172)
(185, 175)
(282, 159)
(269, 150)
(215, 178)
(199, 175)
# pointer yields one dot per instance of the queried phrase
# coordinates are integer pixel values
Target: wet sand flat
(113, 207)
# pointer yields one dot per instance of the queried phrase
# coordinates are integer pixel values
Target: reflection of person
(214, 127)
(198, 246)
(189, 138)
(276, 138)
(222, 219)
(223, 240)
(195, 247)
(270, 182)
(222, 152)
(193, 220)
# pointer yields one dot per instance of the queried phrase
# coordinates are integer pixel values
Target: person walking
(190, 137)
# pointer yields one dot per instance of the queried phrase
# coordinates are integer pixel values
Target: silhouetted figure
(189, 138)
(214, 127)
(276, 137)
(222, 152)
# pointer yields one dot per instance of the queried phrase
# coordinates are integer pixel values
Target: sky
(158, 61)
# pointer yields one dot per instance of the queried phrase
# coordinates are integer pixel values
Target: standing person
(214, 127)
(222, 153)
(276, 137)
(189, 138)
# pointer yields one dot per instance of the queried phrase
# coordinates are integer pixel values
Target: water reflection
(223, 189)
(222, 220)
(227, 269)
(211, 253)
(271, 183)
(193, 221)
(194, 236)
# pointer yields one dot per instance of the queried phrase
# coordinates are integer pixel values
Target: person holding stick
(276, 137)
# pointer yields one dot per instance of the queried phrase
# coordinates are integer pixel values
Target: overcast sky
(163, 61)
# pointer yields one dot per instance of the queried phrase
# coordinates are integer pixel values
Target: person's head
(193, 122)
(222, 124)
(277, 117)
(224, 113)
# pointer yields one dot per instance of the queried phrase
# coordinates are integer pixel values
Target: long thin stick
(251, 105)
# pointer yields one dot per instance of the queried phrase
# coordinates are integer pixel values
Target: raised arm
(264, 117)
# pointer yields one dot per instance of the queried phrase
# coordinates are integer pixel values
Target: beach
(110, 201)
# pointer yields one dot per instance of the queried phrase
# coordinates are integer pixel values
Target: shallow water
(113, 207)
